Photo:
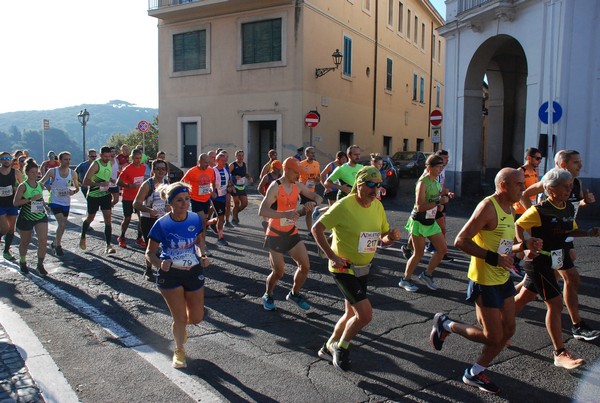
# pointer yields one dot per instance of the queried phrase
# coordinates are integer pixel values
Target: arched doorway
(494, 117)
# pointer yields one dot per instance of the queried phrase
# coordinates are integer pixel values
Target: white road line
(158, 360)
(43, 369)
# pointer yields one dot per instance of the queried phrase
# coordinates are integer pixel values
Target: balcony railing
(156, 4)
(464, 5)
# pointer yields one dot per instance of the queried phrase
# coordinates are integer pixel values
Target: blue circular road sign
(543, 112)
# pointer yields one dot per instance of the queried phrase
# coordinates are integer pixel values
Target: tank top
(432, 194)
(153, 200)
(499, 240)
(237, 170)
(221, 180)
(7, 188)
(531, 177)
(34, 210)
(285, 202)
(103, 175)
(575, 196)
(59, 188)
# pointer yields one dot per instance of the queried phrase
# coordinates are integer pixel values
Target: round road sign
(436, 117)
(312, 119)
(143, 126)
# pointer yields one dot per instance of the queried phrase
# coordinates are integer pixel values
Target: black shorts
(353, 288)
(492, 296)
(128, 209)
(27, 225)
(200, 206)
(146, 224)
(304, 199)
(190, 280)
(102, 203)
(219, 207)
(239, 192)
(281, 244)
(541, 279)
(113, 189)
(331, 195)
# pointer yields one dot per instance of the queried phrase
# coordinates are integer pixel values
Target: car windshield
(403, 156)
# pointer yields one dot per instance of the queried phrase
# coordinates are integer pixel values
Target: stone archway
(494, 139)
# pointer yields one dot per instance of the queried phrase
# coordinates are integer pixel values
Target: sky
(62, 53)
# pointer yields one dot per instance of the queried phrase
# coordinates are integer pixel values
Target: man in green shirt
(343, 177)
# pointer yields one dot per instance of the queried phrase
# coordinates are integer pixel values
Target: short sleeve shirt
(309, 173)
(132, 175)
(201, 182)
(178, 239)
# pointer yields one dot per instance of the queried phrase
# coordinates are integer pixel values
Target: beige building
(242, 74)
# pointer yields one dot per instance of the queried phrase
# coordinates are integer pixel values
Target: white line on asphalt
(43, 369)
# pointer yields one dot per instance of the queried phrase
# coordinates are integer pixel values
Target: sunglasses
(372, 185)
(537, 158)
(92, 156)
(6, 159)
(160, 169)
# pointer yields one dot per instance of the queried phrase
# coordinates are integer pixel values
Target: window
(388, 81)
(400, 17)
(422, 36)
(438, 93)
(408, 17)
(416, 37)
(391, 12)
(432, 46)
(366, 4)
(189, 51)
(261, 41)
(439, 51)
(422, 91)
(404, 144)
(387, 145)
(415, 78)
(347, 61)
(420, 143)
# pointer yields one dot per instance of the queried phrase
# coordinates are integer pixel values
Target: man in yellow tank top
(489, 238)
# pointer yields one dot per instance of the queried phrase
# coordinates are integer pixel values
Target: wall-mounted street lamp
(337, 60)
(83, 118)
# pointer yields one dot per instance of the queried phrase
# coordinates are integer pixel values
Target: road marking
(44, 371)
(158, 360)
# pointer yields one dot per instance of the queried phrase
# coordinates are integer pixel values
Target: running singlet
(34, 210)
(7, 188)
(201, 181)
(531, 177)
(285, 202)
(237, 170)
(222, 180)
(432, 194)
(103, 175)
(153, 201)
(499, 240)
(575, 196)
(178, 239)
(59, 188)
(309, 174)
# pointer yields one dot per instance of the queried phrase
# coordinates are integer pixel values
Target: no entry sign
(312, 119)
(436, 118)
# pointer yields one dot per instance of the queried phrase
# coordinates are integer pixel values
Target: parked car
(410, 163)
(389, 175)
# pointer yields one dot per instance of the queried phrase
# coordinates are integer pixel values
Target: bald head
(504, 175)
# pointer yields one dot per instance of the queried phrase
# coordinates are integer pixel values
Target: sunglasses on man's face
(372, 185)
(5, 158)
(537, 158)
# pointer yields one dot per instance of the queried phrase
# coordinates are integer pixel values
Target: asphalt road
(108, 330)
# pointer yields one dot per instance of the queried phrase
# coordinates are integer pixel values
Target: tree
(149, 140)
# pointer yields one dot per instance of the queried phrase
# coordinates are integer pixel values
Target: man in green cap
(358, 223)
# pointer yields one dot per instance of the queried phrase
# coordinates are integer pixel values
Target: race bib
(6, 191)
(286, 222)
(222, 191)
(185, 259)
(310, 184)
(429, 214)
(159, 205)
(368, 241)
(37, 206)
(505, 246)
(104, 188)
(138, 180)
(62, 192)
(240, 181)
(557, 259)
(204, 190)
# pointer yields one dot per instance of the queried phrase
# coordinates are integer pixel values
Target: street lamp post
(83, 118)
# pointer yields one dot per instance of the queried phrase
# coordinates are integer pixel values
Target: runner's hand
(338, 263)
(165, 265)
(506, 261)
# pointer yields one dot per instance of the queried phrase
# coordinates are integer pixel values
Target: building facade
(241, 74)
(540, 61)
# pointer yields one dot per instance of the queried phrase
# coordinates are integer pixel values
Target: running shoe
(235, 220)
(566, 360)
(82, 243)
(407, 284)
(141, 243)
(228, 224)
(299, 300)
(222, 242)
(341, 358)
(481, 381)
(58, 251)
(429, 249)
(268, 302)
(122, 242)
(179, 358)
(149, 275)
(428, 280)
(325, 354)
(9, 257)
(42, 270)
(584, 332)
(23, 268)
(407, 253)
(438, 333)
(110, 250)
(315, 213)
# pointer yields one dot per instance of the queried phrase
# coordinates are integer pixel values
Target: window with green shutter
(189, 51)
(261, 41)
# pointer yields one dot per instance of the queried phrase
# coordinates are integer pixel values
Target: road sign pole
(311, 137)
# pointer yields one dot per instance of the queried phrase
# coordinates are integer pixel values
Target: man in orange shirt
(130, 179)
(533, 157)
(202, 180)
(310, 172)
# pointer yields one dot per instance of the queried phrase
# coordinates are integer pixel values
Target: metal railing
(156, 4)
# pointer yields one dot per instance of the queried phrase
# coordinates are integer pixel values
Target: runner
(377, 162)
(241, 177)
(123, 158)
(280, 207)
(131, 179)
(113, 188)
(358, 223)
(273, 174)
(223, 186)
(9, 180)
(330, 193)
(272, 154)
(50, 163)
(421, 225)
(552, 221)
(63, 185)
(151, 206)
(29, 197)
(488, 237)
(342, 178)
(181, 265)
(83, 167)
(309, 175)
(97, 179)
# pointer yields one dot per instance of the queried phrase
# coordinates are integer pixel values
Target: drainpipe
(375, 66)
(430, 84)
